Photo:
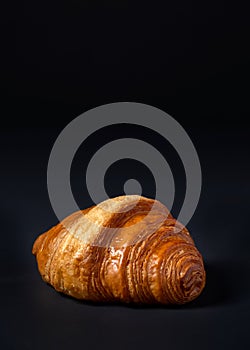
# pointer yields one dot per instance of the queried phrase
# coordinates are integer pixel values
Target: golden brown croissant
(127, 249)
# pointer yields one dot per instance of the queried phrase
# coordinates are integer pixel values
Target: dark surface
(190, 61)
(33, 315)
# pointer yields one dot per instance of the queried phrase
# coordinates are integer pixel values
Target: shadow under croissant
(222, 287)
(226, 283)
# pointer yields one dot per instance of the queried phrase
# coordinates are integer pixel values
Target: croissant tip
(193, 281)
(34, 248)
(37, 244)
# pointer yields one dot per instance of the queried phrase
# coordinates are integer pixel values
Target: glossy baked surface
(147, 256)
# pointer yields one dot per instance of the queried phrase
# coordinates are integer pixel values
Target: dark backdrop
(190, 59)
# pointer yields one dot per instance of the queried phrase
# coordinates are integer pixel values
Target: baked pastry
(127, 249)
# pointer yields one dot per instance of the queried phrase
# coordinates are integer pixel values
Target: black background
(190, 59)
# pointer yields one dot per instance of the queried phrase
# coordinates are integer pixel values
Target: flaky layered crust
(147, 256)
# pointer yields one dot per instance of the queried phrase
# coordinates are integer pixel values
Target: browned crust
(161, 267)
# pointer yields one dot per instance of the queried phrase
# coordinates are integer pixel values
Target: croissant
(127, 249)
